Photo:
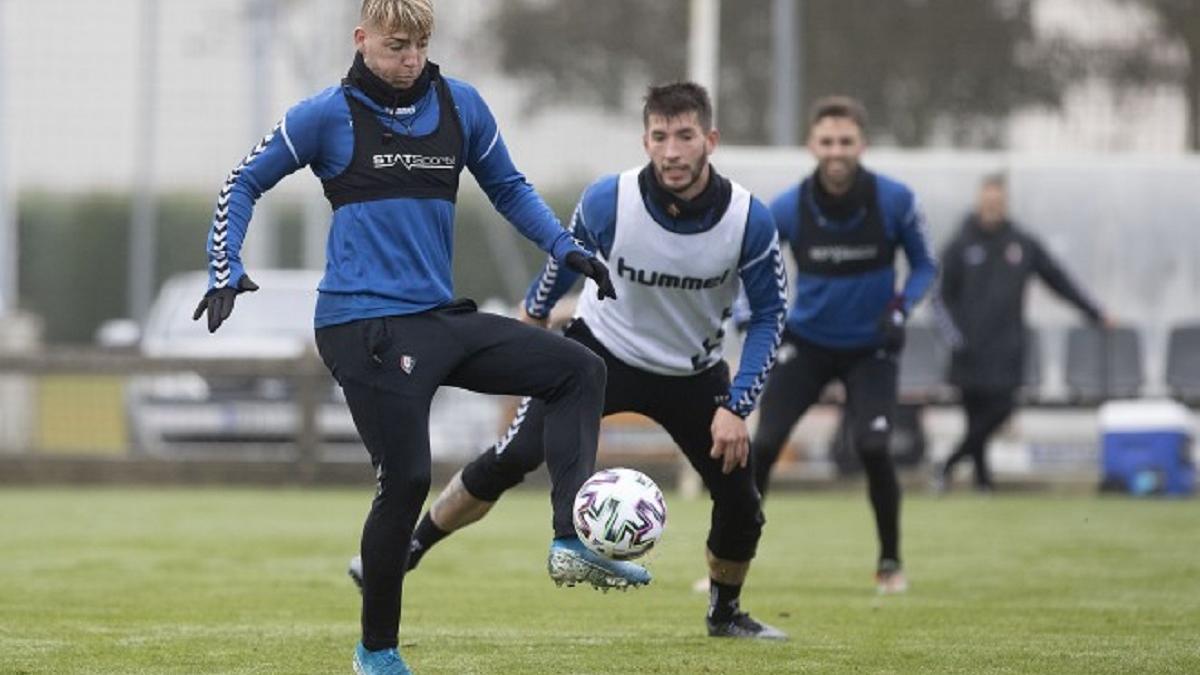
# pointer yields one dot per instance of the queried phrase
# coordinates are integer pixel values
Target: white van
(248, 416)
(253, 416)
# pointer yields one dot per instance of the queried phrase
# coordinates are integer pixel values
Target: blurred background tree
(932, 72)
(1153, 59)
(942, 73)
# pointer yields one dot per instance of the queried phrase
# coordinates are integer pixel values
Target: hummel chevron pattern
(219, 255)
(537, 305)
(515, 427)
(747, 401)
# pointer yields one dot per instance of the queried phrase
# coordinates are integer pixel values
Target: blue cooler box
(1146, 447)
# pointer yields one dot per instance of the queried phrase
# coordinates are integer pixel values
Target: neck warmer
(384, 94)
(714, 195)
(843, 206)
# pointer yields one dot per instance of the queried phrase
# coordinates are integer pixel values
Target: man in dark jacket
(985, 271)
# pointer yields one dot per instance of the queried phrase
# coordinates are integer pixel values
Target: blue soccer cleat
(571, 563)
(381, 662)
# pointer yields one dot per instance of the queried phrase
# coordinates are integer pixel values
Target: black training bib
(862, 245)
(388, 165)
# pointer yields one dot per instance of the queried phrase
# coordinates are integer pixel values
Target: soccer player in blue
(844, 224)
(388, 144)
(683, 240)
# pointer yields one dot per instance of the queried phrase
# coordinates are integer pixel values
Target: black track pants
(683, 405)
(801, 372)
(986, 412)
(390, 368)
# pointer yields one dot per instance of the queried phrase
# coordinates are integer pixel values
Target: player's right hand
(218, 302)
(731, 440)
(592, 268)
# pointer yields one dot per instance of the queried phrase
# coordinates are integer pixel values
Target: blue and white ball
(620, 513)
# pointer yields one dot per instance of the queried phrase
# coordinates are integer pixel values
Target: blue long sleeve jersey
(760, 268)
(843, 311)
(390, 256)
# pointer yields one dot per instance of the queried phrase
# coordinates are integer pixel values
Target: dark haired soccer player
(681, 239)
(844, 225)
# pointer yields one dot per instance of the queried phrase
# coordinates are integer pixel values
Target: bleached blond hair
(414, 17)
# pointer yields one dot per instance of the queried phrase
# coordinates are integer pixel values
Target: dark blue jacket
(983, 289)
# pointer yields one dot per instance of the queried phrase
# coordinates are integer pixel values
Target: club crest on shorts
(786, 353)
(407, 363)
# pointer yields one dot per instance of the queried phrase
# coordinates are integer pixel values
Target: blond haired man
(388, 144)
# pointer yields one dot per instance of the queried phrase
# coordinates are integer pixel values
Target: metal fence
(97, 403)
(72, 415)
(231, 419)
(93, 402)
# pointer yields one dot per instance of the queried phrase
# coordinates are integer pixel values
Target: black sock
(722, 600)
(424, 537)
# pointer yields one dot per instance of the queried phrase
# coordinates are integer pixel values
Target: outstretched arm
(290, 145)
(514, 197)
(508, 190)
(266, 164)
(593, 224)
(1060, 282)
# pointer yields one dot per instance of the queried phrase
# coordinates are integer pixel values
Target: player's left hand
(731, 440)
(595, 270)
(218, 302)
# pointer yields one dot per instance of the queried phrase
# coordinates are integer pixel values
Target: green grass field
(252, 581)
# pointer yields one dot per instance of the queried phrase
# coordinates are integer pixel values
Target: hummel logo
(410, 162)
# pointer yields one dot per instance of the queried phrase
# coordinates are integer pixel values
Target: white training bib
(674, 291)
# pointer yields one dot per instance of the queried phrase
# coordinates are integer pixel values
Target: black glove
(891, 325)
(218, 302)
(595, 270)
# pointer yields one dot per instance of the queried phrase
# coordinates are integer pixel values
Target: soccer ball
(620, 513)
